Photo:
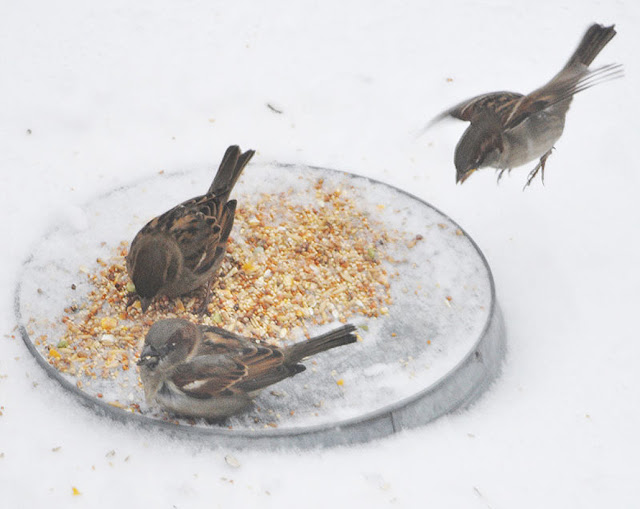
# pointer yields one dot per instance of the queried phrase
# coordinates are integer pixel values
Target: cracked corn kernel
(108, 323)
(288, 267)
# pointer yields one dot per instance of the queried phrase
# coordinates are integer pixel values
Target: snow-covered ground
(96, 95)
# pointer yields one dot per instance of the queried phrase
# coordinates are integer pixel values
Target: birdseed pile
(290, 264)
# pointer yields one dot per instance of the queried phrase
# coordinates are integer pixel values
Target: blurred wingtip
(429, 125)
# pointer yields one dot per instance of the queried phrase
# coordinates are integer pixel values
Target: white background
(114, 91)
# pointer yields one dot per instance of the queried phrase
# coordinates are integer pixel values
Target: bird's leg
(131, 298)
(543, 160)
(501, 172)
(206, 298)
(539, 166)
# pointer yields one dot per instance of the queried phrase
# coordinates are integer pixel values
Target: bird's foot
(539, 167)
(131, 298)
(206, 298)
(501, 173)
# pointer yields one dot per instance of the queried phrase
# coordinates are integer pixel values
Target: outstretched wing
(496, 103)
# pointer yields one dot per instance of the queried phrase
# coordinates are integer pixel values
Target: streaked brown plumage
(180, 250)
(510, 129)
(204, 371)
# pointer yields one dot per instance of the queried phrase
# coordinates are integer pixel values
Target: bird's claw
(539, 167)
(204, 308)
(501, 172)
(131, 298)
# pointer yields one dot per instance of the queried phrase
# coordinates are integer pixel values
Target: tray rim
(126, 416)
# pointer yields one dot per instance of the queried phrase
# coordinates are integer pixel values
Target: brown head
(153, 264)
(167, 344)
(480, 146)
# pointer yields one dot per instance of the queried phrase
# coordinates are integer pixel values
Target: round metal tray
(439, 348)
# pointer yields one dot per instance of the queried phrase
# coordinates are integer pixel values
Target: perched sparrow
(181, 249)
(204, 371)
(509, 129)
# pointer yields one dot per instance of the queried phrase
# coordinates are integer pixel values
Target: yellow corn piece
(108, 323)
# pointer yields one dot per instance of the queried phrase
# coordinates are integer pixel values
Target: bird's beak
(148, 357)
(461, 178)
(145, 302)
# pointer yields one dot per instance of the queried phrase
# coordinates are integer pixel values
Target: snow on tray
(441, 295)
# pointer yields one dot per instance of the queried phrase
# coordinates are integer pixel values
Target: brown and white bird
(181, 249)
(510, 129)
(204, 371)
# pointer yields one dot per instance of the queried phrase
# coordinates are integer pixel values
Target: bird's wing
(498, 103)
(208, 375)
(200, 227)
(262, 364)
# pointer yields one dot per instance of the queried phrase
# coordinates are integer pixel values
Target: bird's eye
(172, 345)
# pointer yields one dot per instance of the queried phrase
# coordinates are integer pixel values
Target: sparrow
(205, 371)
(181, 250)
(509, 129)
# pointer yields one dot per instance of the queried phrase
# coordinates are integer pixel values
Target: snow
(443, 265)
(113, 93)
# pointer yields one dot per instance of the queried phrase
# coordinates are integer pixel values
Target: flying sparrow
(509, 129)
(204, 371)
(181, 249)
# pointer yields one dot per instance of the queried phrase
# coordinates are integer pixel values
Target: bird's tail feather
(337, 337)
(595, 38)
(226, 220)
(566, 87)
(229, 171)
